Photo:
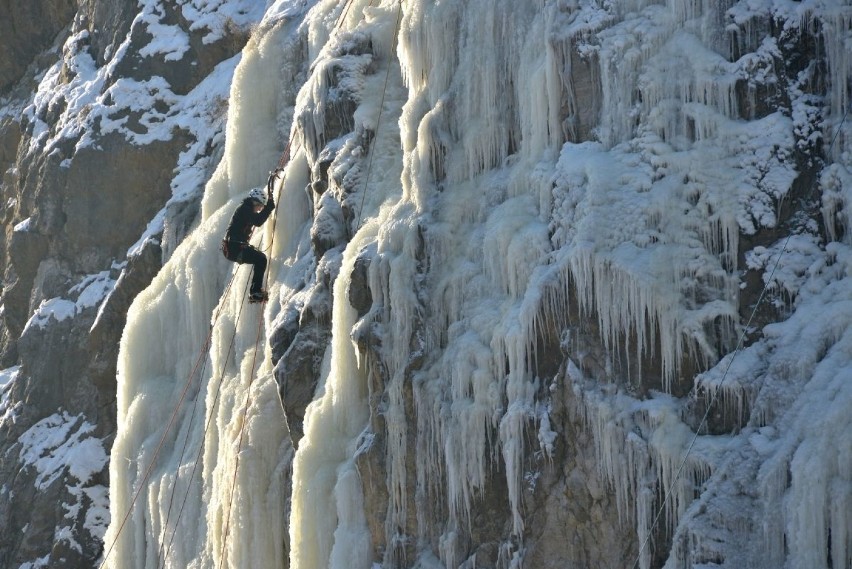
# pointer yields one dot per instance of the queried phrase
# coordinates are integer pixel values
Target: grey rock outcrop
(78, 245)
(27, 30)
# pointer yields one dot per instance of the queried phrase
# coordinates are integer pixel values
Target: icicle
(836, 25)
(540, 88)
(319, 529)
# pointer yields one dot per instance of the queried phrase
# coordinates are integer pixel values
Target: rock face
(78, 193)
(108, 135)
(591, 389)
(27, 31)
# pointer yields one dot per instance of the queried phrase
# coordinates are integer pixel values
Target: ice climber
(252, 212)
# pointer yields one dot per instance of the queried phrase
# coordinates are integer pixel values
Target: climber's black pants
(240, 253)
(258, 259)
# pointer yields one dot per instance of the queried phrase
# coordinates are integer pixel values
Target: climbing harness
(233, 250)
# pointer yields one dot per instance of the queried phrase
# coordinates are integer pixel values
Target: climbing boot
(258, 296)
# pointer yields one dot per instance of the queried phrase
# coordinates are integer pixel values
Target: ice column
(165, 339)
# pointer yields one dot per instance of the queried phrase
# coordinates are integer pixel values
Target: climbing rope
(164, 550)
(342, 16)
(202, 356)
(282, 162)
(180, 461)
(240, 443)
(739, 346)
(165, 553)
(379, 118)
(270, 184)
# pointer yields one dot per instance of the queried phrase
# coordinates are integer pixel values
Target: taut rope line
(204, 438)
(202, 355)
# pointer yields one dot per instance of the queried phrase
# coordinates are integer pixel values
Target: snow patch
(90, 292)
(217, 16)
(62, 444)
(24, 226)
(170, 42)
(37, 564)
(8, 410)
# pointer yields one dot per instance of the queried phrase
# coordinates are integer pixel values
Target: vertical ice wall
(643, 222)
(461, 63)
(735, 157)
(199, 463)
(448, 119)
(328, 526)
(836, 179)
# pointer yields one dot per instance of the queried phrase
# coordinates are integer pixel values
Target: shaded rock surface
(27, 30)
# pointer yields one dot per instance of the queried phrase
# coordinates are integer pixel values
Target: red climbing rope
(240, 442)
(164, 554)
(202, 356)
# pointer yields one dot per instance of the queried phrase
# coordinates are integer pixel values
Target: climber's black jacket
(245, 220)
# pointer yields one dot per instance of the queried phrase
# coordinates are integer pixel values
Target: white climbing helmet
(258, 195)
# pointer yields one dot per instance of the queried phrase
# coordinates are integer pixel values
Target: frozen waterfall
(233, 495)
(571, 181)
